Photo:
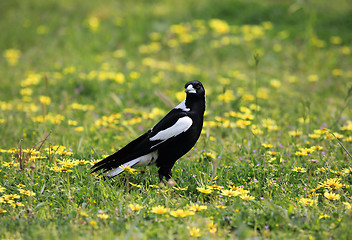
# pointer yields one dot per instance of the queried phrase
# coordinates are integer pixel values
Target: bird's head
(194, 88)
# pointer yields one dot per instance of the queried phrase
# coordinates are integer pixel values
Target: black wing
(140, 146)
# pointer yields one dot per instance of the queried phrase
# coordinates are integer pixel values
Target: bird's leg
(168, 176)
(169, 179)
(161, 184)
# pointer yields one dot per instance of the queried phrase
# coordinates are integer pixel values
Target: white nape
(183, 106)
(182, 125)
(142, 161)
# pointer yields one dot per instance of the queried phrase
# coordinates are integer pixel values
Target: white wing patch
(142, 161)
(182, 106)
(182, 125)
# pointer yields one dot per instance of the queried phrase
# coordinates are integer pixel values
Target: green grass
(89, 77)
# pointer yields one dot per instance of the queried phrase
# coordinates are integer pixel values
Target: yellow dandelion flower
(324, 216)
(12, 196)
(194, 232)
(214, 186)
(307, 202)
(181, 213)
(313, 78)
(93, 223)
(103, 216)
(27, 192)
(135, 207)
(128, 169)
(197, 208)
(230, 193)
(348, 206)
(227, 96)
(159, 210)
(45, 100)
(219, 26)
(204, 190)
(332, 196)
(331, 183)
(295, 133)
(83, 214)
(247, 197)
(221, 206)
(299, 169)
(12, 56)
(212, 227)
(17, 204)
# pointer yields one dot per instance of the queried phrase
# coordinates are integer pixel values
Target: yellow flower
(219, 26)
(6, 200)
(194, 232)
(313, 78)
(221, 206)
(212, 227)
(128, 169)
(295, 133)
(27, 192)
(299, 169)
(307, 202)
(10, 164)
(332, 196)
(12, 56)
(214, 186)
(135, 207)
(12, 196)
(230, 193)
(45, 100)
(331, 183)
(227, 96)
(2, 189)
(275, 83)
(348, 206)
(267, 145)
(79, 129)
(93, 23)
(246, 197)
(324, 216)
(103, 216)
(17, 204)
(335, 40)
(83, 214)
(93, 223)
(2, 210)
(181, 213)
(204, 190)
(197, 208)
(159, 210)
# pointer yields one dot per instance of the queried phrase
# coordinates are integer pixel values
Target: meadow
(80, 79)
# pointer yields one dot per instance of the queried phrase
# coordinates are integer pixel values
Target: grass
(81, 79)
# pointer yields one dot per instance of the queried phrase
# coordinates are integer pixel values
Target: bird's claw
(171, 182)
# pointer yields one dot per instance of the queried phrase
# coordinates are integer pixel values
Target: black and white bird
(166, 142)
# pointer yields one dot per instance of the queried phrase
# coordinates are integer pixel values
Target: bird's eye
(197, 87)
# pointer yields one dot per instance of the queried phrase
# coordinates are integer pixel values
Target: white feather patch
(145, 160)
(182, 106)
(190, 89)
(182, 125)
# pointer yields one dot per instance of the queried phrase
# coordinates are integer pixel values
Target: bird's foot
(171, 182)
(161, 184)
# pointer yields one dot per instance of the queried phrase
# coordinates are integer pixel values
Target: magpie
(166, 142)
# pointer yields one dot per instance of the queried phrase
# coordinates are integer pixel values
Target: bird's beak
(190, 89)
